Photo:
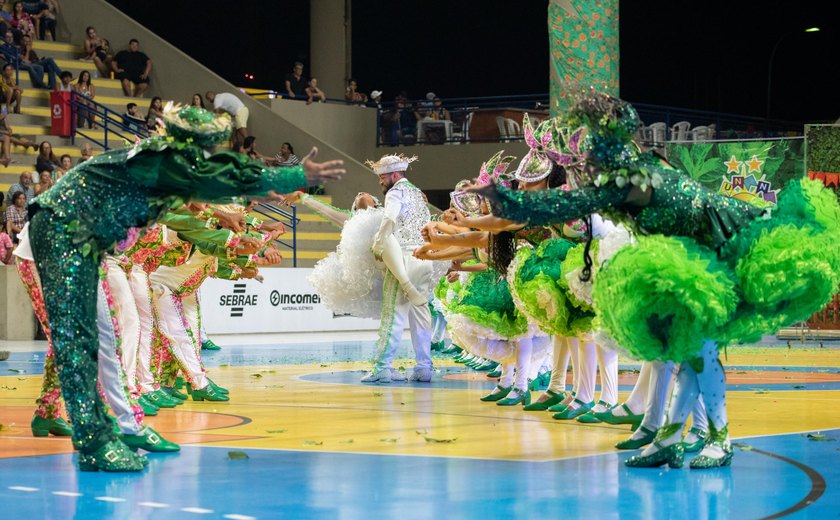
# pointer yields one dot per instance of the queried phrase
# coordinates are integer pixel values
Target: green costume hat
(196, 125)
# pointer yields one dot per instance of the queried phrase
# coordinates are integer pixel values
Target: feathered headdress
(391, 163)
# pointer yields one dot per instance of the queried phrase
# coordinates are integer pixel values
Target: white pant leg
(712, 383)
(111, 375)
(190, 308)
(661, 376)
(561, 364)
(171, 323)
(524, 350)
(508, 373)
(574, 353)
(392, 322)
(588, 367)
(128, 320)
(608, 367)
(139, 282)
(637, 401)
(698, 415)
(419, 316)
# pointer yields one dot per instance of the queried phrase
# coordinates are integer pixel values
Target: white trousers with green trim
(396, 310)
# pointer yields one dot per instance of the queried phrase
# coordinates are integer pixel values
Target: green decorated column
(583, 40)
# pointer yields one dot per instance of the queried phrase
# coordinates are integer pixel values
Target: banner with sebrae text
(284, 302)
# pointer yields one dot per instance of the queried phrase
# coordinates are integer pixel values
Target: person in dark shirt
(132, 66)
(296, 82)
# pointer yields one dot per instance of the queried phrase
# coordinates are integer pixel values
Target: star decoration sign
(745, 185)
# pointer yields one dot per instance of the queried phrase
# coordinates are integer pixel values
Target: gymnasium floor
(302, 438)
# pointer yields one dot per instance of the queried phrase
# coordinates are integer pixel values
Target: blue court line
(780, 474)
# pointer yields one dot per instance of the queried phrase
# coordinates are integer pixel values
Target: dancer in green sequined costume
(708, 266)
(91, 208)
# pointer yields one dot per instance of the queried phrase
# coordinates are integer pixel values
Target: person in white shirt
(231, 105)
(406, 213)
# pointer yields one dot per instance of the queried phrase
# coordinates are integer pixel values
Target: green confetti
(224, 365)
(741, 372)
(276, 431)
(237, 455)
(390, 439)
(256, 376)
(818, 437)
(799, 387)
(348, 441)
(313, 443)
(439, 441)
(324, 366)
(378, 394)
(762, 391)
(4, 387)
(17, 370)
(421, 432)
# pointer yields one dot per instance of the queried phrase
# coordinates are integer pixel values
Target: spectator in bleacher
(376, 99)
(287, 156)
(64, 85)
(85, 89)
(45, 182)
(296, 82)
(313, 93)
(7, 133)
(6, 247)
(16, 214)
(10, 89)
(439, 112)
(352, 94)
(231, 105)
(198, 101)
(86, 151)
(132, 66)
(8, 49)
(24, 185)
(37, 66)
(133, 120)
(21, 23)
(47, 161)
(66, 164)
(154, 117)
(43, 15)
(96, 50)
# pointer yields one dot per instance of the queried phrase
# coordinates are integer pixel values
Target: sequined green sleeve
(216, 178)
(213, 242)
(544, 207)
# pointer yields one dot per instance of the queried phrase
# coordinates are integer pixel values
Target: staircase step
(42, 45)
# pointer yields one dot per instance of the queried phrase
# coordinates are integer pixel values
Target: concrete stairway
(316, 236)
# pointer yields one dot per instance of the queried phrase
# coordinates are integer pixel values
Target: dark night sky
(710, 55)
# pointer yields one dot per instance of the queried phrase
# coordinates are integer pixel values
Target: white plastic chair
(502, 126)
(464, 133)
(679, 132)
(700, 133)
(657, 134)
(514, 131)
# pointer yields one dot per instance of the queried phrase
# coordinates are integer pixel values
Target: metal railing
(111, 122)
(289, 219)
(114, 125)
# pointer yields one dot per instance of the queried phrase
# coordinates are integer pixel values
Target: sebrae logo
(238, 300)
(744, 185)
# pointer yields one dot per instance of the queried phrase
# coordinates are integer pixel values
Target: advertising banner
(753, 171)
(283, 302)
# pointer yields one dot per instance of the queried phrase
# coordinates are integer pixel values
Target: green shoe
(438, 346)
(43, 427)
(707, 462)
(487, 366)
(671, 455)
(160, 399)
(630, 418)
(524, 397)
(209, 393)
(148, 407)
(217, 387)
(635, 444)
(538, 406)
(453, 349)
(699, 444)
(589, 417)
(112, 456)
(149, 440)
(208, 344)
(179, 383)
(175, 394)
(573, 413)
(495, 373)
(503, 391)
(559, 407)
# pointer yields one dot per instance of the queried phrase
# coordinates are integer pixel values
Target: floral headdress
(546, 143)
(493, 171)
(391, 163)
(196, 125)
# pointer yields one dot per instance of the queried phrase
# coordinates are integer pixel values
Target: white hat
(391, 163)
(430, 96)
(375, 94)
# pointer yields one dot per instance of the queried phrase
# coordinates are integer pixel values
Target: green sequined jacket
(103, 197)
(679, 207)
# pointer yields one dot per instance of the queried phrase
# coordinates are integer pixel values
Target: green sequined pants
(69, 280)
